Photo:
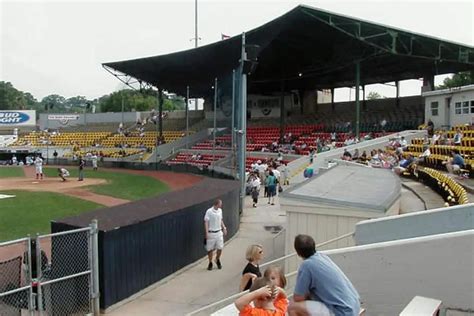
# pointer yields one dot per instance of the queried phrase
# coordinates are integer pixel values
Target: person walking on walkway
(271, 182)
(82, 164)
(215, 231)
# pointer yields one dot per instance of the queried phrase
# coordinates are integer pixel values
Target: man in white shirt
(215, 230)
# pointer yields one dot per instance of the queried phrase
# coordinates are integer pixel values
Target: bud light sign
(13, 118)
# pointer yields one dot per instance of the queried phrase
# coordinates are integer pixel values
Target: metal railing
(227, 300)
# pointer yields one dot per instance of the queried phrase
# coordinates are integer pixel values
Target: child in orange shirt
(267, 298)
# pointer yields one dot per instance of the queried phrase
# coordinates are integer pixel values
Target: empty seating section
(447, 187)
(203, 160)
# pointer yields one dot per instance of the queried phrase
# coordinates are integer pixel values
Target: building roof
(448, 91)
(371, 189)
(307, 48)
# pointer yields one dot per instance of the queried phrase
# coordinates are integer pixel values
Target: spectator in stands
(333, 136)
(457, 139)
(276, 275)
(346, 155)
(356, 154)
(443, 139)
(404, 165)
(271, 182)
(435, 138)
(456, 163)
(311, 156)
(430, 127)
(215, 230)
(321, 287)
(267, 300)
(403, 143)
(254, 255)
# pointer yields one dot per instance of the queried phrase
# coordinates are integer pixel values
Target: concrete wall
(96, 118)
(424, 223)
(388, 275)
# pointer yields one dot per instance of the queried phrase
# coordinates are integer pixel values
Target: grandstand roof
(321, 46)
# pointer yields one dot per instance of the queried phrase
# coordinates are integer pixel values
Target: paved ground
(196, 287)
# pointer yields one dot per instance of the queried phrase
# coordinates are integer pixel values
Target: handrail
(234, 296)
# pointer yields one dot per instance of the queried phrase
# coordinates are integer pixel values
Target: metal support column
(39, 276)
(282, 109)
(332, 99)
(121, 94)
(243, 125)
(357, 101)
(232, 125)
(187, 115)
(397, 93)
(215, 121)
(160, 112)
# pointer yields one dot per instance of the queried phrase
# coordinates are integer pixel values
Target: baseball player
(63, 173)
(39, 167)
(94, 161)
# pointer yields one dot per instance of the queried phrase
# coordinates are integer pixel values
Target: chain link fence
(54, 274)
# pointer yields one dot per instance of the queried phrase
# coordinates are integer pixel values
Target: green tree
(13, 99)
(457, 80)
(54, 102)
(373, 95)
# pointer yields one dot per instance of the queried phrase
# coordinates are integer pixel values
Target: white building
(450, 107)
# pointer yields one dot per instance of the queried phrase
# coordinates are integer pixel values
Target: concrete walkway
(195, 287)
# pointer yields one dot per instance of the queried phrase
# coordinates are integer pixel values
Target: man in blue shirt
(321, 287)
(456, 163)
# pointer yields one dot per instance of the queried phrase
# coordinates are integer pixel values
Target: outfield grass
(11, 172)
(32, 212)
(121, 185)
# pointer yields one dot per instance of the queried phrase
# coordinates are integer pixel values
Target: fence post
(94, 242)
(39, 275)
(29, 279)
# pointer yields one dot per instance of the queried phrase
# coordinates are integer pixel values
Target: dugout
(142, 242)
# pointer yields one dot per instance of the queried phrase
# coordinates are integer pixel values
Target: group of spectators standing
(267, 173)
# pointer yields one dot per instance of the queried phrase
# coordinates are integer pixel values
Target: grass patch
(119, 184)
(32, 212)
(11, 172)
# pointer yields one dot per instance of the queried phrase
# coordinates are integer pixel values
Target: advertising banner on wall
(63, 118)
(17, 118)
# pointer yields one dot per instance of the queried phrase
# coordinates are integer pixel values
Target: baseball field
(28, 205)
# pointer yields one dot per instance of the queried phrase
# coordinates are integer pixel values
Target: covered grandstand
(304, 50)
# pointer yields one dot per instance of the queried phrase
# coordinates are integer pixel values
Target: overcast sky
(58, 47)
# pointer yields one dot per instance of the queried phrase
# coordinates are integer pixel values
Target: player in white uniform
(63, 173)
(94, 161)
(39, 167)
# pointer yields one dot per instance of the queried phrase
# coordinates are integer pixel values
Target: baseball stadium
(108, 212)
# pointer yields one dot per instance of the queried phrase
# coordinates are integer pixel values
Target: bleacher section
(441, 153)
(105, 152)
(447, 187)
(187, 158)
(82, 139)
(135, 140)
